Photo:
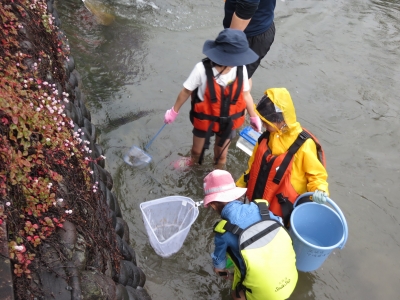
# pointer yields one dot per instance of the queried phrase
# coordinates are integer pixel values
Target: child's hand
(255, 122)
(222, 272)
(170, 116)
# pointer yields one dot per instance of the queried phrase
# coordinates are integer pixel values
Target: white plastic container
(247, 140)
(168, 221)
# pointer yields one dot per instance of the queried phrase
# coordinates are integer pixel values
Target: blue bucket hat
(230, 48)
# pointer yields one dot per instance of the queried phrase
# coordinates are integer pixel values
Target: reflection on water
(171, 14)
(102, 13)
(338, 59)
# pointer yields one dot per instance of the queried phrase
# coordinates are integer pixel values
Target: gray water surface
(339, 59)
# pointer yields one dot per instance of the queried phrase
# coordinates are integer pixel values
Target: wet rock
(72, 80)
(87, 135)
(102, 187)
(26, 46)
(78, 96)
(68, 237)
(119, 227)
(54, 283)
(79, 116)
(105, 176)
(71, 64)
(96, 286)
(99, 151)
(132, 273)
(142, 293)
(57, 20)
(96, 261)
(28, 62)
(73, 276)
(78, 77)
(122, 293)
(142, 278)
(138, 293)
(91, 129)
(133, 295)
(126, 234)
(110, 272)
(111, 215)
(110, 200)
(117, 208)
(49, 6)
(123, 274)
(126, 251)
(80, 254)
(66, 68)
(85, 111)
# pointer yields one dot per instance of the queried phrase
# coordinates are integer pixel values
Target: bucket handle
(336, 208)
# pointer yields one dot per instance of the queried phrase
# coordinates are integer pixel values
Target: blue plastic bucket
(316, 230)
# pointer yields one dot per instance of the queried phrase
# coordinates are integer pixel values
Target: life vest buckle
(264, 211)
(224, 120)
(235, 229)
(282, 199)
(304, 135)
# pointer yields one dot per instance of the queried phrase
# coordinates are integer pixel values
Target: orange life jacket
(269, 176)
(222, 109)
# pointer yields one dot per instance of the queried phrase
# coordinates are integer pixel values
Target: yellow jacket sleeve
(315, 172)
(240, 182)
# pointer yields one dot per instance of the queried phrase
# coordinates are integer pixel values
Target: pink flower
(8, 203)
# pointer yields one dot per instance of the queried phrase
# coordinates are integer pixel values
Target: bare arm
(249, 103)
(238, 23)
(182, 97)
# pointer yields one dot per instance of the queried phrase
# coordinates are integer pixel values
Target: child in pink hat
(223, 196)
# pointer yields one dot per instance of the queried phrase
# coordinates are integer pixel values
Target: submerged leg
(221, 153)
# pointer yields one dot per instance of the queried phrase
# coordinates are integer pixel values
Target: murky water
(340, 61)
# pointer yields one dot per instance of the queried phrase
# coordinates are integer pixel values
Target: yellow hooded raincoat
(308, 173)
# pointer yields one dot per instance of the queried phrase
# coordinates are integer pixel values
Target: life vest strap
(265, 169)
(286, 207)
(241, 287)
(232, 228)
(259, 235)
(301, 138)
(223, 120)
(239, 75)
(264, 135)
(210, 79)
(264, 210)
(226, 133)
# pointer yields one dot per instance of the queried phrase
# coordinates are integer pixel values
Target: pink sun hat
(219, 186)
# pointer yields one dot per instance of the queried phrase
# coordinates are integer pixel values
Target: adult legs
(260, 44)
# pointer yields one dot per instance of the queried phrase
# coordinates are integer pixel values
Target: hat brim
(226, 196)
(228, 59)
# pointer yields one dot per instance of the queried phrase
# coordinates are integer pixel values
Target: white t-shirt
(198, 79)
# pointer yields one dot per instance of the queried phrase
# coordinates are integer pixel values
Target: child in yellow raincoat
(287, 160)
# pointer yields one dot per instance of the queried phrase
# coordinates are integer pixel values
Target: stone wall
(66, 268)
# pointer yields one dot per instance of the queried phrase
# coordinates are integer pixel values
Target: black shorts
(260, 44)
(202, 134)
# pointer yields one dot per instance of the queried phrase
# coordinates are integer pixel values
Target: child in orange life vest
(287, 160)
(220, 93)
